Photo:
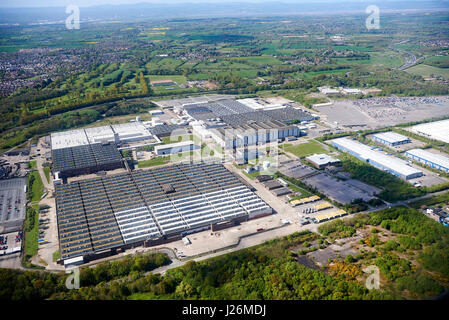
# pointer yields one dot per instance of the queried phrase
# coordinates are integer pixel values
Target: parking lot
(10, 242)
(296, 169)
(337, 190)
(385, 111)
(429, 179)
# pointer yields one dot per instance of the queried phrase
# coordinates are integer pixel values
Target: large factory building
(393, 165)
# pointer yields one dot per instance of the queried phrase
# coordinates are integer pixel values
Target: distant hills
(149, 11)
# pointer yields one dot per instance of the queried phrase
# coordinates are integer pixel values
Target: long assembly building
(433, 160)
(97, 217)
(395, 166)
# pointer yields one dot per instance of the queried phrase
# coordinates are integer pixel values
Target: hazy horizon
(91, 3)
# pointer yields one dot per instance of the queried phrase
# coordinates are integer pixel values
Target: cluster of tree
(393, 188)
(230, 80)
(34, 285)
(437, 63)
(415, 235)
(356, 205)
(31, 179)
(268, 271)
(112, 78)
(30, 218)
(124, 109)
(338, 228)
(143, 84)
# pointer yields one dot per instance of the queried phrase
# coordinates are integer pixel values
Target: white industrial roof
(68, 139)
(351, 90)
(365, 152)
(438, 130)
(322, 159)
(76, 260)
(432, 157)
(257, 105)
(131, 130)
(391, 137)
(100, 134)
(74, 138)
(328, 90)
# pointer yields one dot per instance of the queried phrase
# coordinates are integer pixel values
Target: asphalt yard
(337, 190)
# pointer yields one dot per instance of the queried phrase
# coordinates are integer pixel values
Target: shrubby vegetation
(415, 259)
(267, 271)
(413, 264)
(394, 189)
(37, 285)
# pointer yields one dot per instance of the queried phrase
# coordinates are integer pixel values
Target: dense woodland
(410, 250)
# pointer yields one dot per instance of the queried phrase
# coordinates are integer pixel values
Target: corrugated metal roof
(432, 157)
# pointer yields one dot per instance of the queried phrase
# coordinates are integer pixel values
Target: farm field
(429, 71)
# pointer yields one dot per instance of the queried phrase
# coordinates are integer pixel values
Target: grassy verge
(32, 164)
(35, 186)
(31, 231)
(56, 255)
(436, 200)
(153, 162)
(31, 226)
(47, 173)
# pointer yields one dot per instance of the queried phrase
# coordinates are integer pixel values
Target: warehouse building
(393, 165)
(281, 191)
(166, 130)
(86, 159)
(118, 134)
(321, 161)
(433, 160)
(391, 138)
(253, 134)
(98, 217)
(174, 148)
(272, 184)
(234, 113)
(438, 130)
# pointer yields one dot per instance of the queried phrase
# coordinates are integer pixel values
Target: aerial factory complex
(150, 206)
(109, 213)
(259, 150)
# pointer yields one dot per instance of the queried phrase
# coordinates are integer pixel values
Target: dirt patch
(305, 261)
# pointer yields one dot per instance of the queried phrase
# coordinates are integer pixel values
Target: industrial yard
(192, 179)
(380, 112)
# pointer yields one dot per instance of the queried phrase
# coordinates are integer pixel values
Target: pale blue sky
(63, 3)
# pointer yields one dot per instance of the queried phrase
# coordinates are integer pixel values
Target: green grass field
(304, 149)
(177, 79)
(153, 162)
(32, 164)
(56, 255)
(185, 137)
(32, 235)
(47, 173)
(37, 188)
(428, 71)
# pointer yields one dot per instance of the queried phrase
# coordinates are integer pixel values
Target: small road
(410, 60)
